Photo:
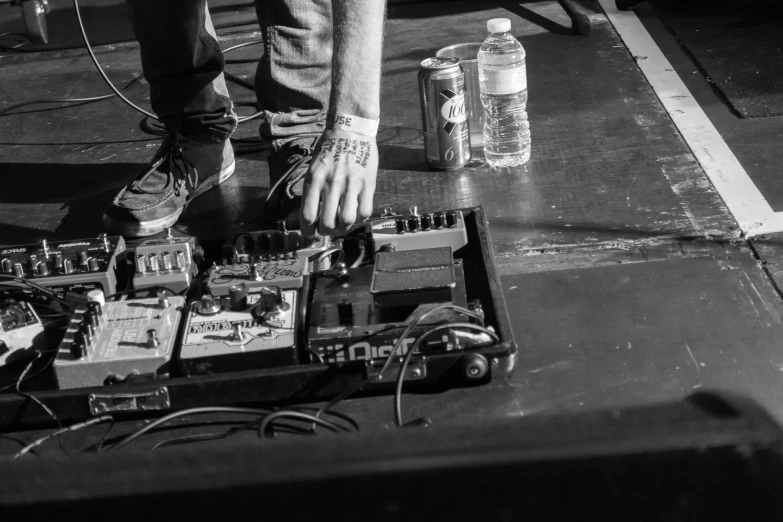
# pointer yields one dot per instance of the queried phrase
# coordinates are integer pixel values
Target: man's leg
(183, 64)
(293, 84)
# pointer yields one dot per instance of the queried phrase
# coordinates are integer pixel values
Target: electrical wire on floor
(97, 420)
(33, 398)
(415, 347)
(243, 145)
(22, 38)
(395, 349)
(51, 294)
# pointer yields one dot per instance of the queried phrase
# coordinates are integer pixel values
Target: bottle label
(505, 81)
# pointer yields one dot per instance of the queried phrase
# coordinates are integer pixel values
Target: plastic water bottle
(503, 82)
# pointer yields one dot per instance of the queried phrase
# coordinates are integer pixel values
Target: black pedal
(70, 267)
(413, 277)
(267, 243)
(348, 322)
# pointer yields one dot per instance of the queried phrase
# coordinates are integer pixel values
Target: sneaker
(181, 170)
(287, 169)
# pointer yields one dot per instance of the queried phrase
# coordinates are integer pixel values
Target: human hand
(340, 183)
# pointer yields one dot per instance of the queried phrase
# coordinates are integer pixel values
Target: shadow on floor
(81, 190)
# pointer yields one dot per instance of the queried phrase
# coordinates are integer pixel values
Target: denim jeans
(183, 64)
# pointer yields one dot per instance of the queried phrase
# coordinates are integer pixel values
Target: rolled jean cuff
(213, 134)
(280, 128)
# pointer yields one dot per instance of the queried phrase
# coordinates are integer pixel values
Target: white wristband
(351, 123)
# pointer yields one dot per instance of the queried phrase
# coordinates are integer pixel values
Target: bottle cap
(499, 25)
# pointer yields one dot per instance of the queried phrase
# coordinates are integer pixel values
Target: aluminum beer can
(444, 115)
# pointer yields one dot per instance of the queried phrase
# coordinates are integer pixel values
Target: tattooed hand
(340, 184)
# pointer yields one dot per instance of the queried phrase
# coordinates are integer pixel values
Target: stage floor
(627, 279)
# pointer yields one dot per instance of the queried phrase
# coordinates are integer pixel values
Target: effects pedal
(279, 258)
(21, 332)
(73, 268)
(106, 344)
(255, 245)
(285, 271)
(349, 322)
(414, 231)
(170, 261)
(253, 327)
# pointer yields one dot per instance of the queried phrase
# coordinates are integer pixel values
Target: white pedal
(109, 343)
(414, 231)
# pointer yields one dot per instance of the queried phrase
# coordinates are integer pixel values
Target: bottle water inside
(503, 82)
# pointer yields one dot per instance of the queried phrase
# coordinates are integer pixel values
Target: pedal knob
(93, 264)
(18, 270)
(165, 259)
(163, 301)
(88, 331)
(153, 262)
(42, 269)
(141, 264)
(237, 295)
(426, 222)
(6, 265)
(241, 244)
(228, 253)
(68, 266)
(401, 224)
(451, 219)
(83, 257)
(78, 347)
(387, 211)
(152, 338)
(208, 306)
(58, 260)
(438, 220)
(414, 223)
(33, 260)
(94, 319)
(94, 307)
(265, 242)
(179, 260)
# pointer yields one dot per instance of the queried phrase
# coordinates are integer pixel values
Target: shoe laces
(290, 177)
(182, 170)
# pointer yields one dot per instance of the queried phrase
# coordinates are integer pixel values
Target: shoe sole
(148, 228)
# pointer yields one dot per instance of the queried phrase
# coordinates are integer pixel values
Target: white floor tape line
(744, 200)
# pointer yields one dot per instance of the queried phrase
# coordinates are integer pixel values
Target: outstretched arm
(340, 184)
